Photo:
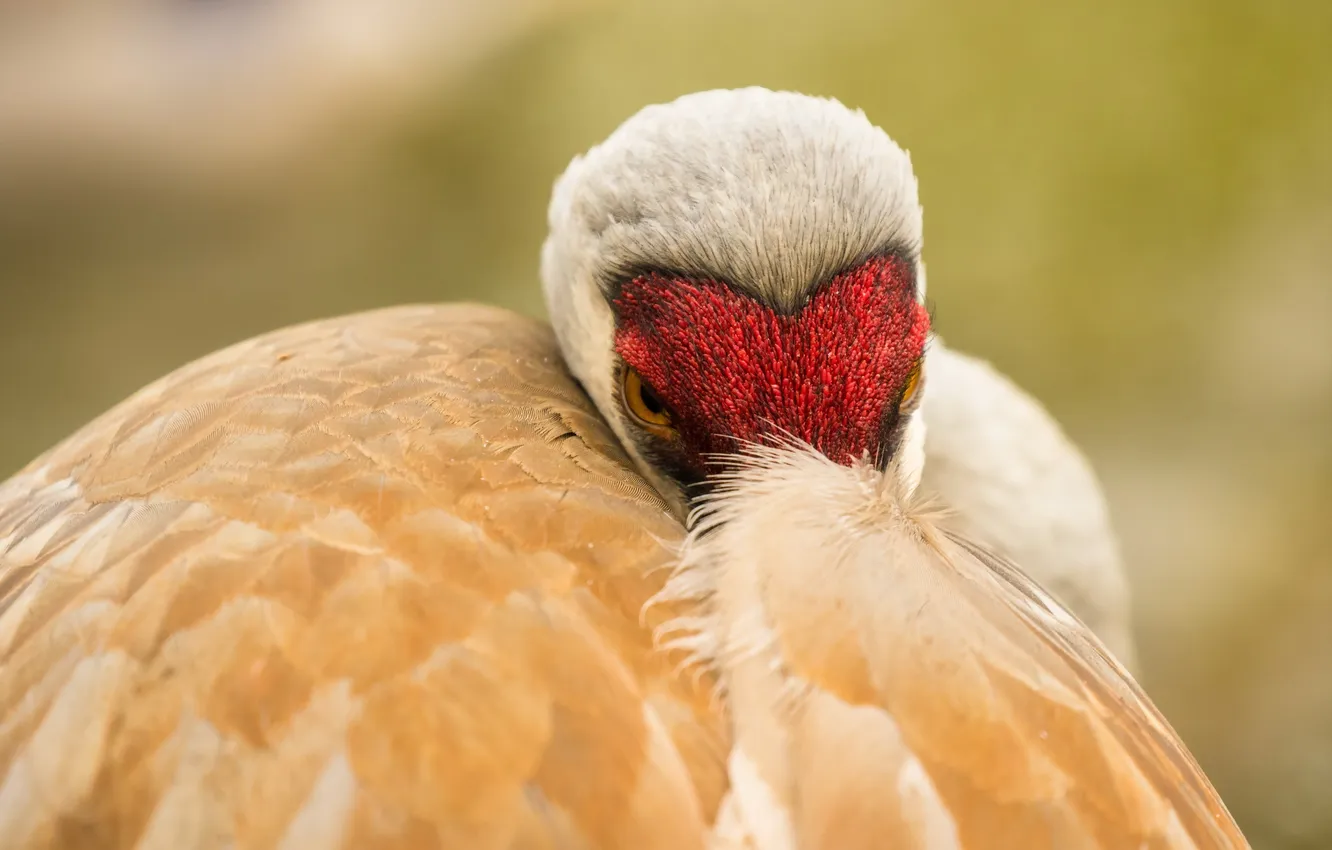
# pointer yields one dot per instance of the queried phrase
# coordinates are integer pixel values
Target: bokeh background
(1128, 208)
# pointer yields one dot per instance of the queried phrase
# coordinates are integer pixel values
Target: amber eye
(909, 389)
(645, 406)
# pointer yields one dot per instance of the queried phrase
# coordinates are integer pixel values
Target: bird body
(441, 576)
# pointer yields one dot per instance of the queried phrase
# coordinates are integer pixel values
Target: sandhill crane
(423, 577)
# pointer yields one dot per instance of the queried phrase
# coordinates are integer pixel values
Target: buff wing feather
(903, 687)
(372, 582)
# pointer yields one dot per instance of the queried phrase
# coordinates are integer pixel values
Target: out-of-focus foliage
(1128, 208)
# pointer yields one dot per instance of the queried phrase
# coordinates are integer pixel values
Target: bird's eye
(646, 406)
(909, 389)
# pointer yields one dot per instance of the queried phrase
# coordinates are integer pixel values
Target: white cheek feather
(910, 456)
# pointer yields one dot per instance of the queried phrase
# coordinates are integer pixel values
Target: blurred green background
(1128, 208)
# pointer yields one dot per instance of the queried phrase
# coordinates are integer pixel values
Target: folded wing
(894, 685)
(370, 581)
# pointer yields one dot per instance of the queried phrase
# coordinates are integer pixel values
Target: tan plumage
(312, 589)
(910, 684)
(392, 580)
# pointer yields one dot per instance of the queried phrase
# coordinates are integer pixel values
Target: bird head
(742, 268)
